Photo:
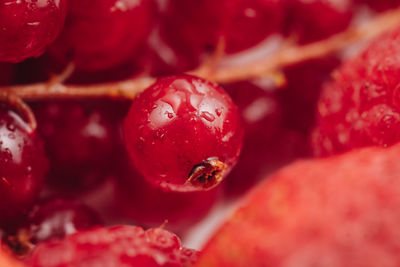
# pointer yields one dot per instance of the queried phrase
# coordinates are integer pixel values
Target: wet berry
(183, 133)
(115, 246)
(314, 20)
(23, 166)
(150, 206)
(82, 140)
(361, 106)
(102, 34)
(57, 218)
(28, 27)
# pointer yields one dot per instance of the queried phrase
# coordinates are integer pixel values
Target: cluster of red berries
(168, 156)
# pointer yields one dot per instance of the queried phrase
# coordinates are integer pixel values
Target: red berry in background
(115, 246)
(314, 20)
(57, 218)
(82, 140)
(304, 83)
(333, 212)
(248, 22)
(150, 206)
(23, 166)
(183, 133)
(99, 35)
(200, 24)
(28, 27)
(380, 5)
(7, 260)
(361, 106)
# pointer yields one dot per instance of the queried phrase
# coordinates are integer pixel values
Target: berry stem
(16, 102)
(288, 55)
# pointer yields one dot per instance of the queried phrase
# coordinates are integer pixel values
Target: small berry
(23, 166)
(82, 140)
(150, 206)
(314, 20)
(99, 35)
(333, 212)
(183, 133)
(115, 246)
(361, 106)
(57, 218)
(28, 27)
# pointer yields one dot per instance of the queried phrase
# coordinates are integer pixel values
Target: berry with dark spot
(183, 133)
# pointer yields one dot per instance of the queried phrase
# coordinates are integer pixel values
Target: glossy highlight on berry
(183, 133)
(28, 27)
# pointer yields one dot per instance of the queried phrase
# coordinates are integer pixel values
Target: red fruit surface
(8, 261)
(183, 133)
(335, 212)
(314, 20)
(118, 246)
(23, 166)
(102, 34)
(83, 140)
(28, 27)
(150, 206)
(185, 22)
(361, 106)
(56, 218)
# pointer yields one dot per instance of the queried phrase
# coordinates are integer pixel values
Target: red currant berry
(254, 19)
(102, 34)
(115, 246)
(150, 206)
(91, 130)
(267, 144)
(303, 88)
(318, 19)
(57, 218)
(361, 107)
(183, 133)
(23, 166)
(28, 27)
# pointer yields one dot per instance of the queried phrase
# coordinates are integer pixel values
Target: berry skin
(317, 19)
(57, 218)
(361, 106)
(91, 131)
(99, 35)
(28, 27)
(23, 166)
(151, 207)
(183, 133)
(334, 212)
(116, 246)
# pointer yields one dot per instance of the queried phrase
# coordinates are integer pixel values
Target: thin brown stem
(288, 55)
(17, 103)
